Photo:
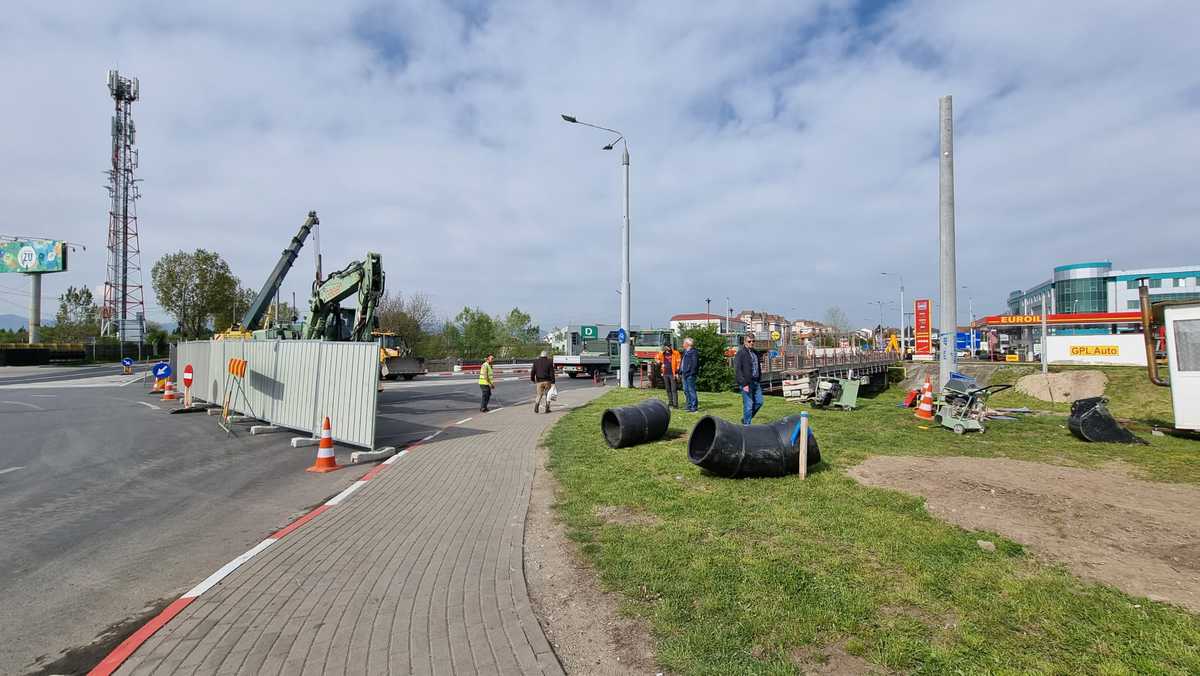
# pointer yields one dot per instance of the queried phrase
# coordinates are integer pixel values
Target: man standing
(542, 375)
(689, 368)
(749, 375)
(486, 382)
(670, 370)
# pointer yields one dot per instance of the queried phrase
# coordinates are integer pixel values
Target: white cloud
(782, 153)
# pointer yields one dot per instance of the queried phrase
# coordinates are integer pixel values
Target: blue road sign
(127, 361)
(774, 354)
(161, 370)
(622, 336)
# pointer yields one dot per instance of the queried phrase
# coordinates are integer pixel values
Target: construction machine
(247, 328)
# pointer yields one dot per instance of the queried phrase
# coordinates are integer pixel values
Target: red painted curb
(127, 647)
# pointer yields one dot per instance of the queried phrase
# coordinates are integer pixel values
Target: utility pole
(947, 290)
(707, 307)
(1045, 360)
(35, 307)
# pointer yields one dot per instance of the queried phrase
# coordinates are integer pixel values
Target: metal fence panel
(297, 372)
(348, 389)
(195, 353)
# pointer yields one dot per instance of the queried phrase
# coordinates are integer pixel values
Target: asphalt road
(110, 507)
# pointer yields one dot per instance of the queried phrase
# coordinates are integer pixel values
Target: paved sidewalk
(418, 571)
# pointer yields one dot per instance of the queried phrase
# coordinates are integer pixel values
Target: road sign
(775, 335)
(127, 361)
(774, 354)
(622, 336)
(589, 332)
(187, 376)
(161, 370)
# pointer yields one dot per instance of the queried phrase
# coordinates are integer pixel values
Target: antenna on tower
(124, 310)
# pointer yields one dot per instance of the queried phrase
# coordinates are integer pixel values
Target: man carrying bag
(542, 375)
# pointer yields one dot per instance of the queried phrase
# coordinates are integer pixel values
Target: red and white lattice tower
(124, 311)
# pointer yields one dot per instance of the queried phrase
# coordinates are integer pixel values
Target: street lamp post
(625, 297)
(902, 333)
(880, 303)
(971, 311)
(707, 308)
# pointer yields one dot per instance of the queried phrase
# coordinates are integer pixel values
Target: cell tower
(124, 310)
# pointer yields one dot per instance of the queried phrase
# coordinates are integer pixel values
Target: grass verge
(748, 576)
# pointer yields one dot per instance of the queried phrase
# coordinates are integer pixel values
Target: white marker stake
(803, 444)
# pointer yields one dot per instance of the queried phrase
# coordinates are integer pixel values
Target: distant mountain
(13, 322)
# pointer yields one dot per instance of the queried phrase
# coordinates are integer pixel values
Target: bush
(715, 373)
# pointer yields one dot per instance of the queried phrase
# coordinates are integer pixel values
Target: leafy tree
(234, 307)
(519, 328)
(409, 318)
(76, 319)
(477, 333)
(196, 288)
(10, 336)
(716, 375)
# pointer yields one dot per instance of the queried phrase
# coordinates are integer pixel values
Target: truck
(583, 350)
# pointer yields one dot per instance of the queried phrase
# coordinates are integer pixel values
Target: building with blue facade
(1096, 287)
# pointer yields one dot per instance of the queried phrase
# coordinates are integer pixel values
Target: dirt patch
(624, 516)
(580, 619)
(1142, 537)
(1063, 387)
(832, 659)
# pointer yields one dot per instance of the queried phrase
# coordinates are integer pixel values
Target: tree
(76, 319)
(234, 308)
(519, 328)
(477, 333)
(195, 288)
(837, 319)
(409, 318)
(716, 375)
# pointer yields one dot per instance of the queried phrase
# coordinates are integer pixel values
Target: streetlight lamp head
(570, 118)
(607, 147)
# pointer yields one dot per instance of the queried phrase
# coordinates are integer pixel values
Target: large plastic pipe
(734, 451)
(636, 424)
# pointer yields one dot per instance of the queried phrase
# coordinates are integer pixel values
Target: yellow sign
(1095, 351)
(1011, 357)
(775, 335)
(1020, 319)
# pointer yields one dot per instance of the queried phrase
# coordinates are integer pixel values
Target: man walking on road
(487, 382)
(542, 374)
(670, 372)
(689, 368)
(749, 375)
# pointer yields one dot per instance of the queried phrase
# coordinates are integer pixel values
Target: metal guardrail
(291, 383)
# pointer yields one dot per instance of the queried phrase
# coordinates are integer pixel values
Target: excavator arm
(364, 278)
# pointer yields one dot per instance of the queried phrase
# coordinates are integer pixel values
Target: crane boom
(261, 302)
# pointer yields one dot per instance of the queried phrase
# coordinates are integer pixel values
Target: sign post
(187, 385)
(589, 332)
(161, 371)
(921, 333)
(34, 257)
(127, 366)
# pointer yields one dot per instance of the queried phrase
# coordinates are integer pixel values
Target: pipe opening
(611, 428)
(701, 440)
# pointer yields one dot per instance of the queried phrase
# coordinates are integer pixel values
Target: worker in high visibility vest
(486, 382)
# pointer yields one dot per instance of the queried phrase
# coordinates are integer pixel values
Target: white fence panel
(195, 353)
(297, 375)
(260, 387)
(347, 390)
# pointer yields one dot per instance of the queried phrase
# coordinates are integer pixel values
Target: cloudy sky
(783, 154)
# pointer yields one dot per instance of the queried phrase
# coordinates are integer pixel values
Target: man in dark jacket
(670, 363)
(748, 373)
(689, 368)
(542, 375)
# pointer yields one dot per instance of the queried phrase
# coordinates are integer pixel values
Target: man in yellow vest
(486, 382)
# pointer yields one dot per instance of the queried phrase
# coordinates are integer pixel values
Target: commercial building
(691, 320)
(1080, 288)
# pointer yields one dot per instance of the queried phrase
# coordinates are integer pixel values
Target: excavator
(327, 319)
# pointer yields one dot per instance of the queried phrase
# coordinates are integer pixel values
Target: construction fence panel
(195, 353)
(261, 389)
(347, 389)
(297, 374)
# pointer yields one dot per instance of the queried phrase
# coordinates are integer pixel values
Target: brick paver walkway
(419, 571)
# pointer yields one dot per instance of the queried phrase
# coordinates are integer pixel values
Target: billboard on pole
(33, 255)
(921, 326)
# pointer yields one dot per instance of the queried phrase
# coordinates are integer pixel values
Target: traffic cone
(925, 410)
(169, 392)
(326, 461)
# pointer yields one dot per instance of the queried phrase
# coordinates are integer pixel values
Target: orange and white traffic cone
(169, 391)
(925, 409)
(326, 460)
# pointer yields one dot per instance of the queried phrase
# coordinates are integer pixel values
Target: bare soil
(1065, 386)
(1142, 537)
(580, 619)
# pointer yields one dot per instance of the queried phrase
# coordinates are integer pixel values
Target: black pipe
(733, 451)
(636, 424)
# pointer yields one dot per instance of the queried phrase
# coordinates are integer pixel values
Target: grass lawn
(735, 576)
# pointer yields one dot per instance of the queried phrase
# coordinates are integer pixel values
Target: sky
(783, 154)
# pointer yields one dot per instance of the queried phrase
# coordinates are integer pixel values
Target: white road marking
(394, 458)
(49, 396)
(10, 469)
(345, 494)
(150, 405)
(228, 568)
(464, 420)
(25, 404)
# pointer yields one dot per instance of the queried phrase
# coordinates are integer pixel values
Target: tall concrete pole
(625, 351)
(948, 322)
(35, 307)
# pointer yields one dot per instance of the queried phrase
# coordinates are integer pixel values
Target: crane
(262, 301)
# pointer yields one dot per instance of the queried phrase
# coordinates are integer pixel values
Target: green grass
(734, 575)
(1131, 394)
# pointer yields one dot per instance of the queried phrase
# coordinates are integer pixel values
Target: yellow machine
(395, 360)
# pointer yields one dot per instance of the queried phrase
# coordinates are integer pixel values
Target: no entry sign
(187, 376)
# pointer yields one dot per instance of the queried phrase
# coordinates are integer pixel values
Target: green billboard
(33, 255)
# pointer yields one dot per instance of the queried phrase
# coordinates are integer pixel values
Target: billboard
(921, 326)
(33, 255)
